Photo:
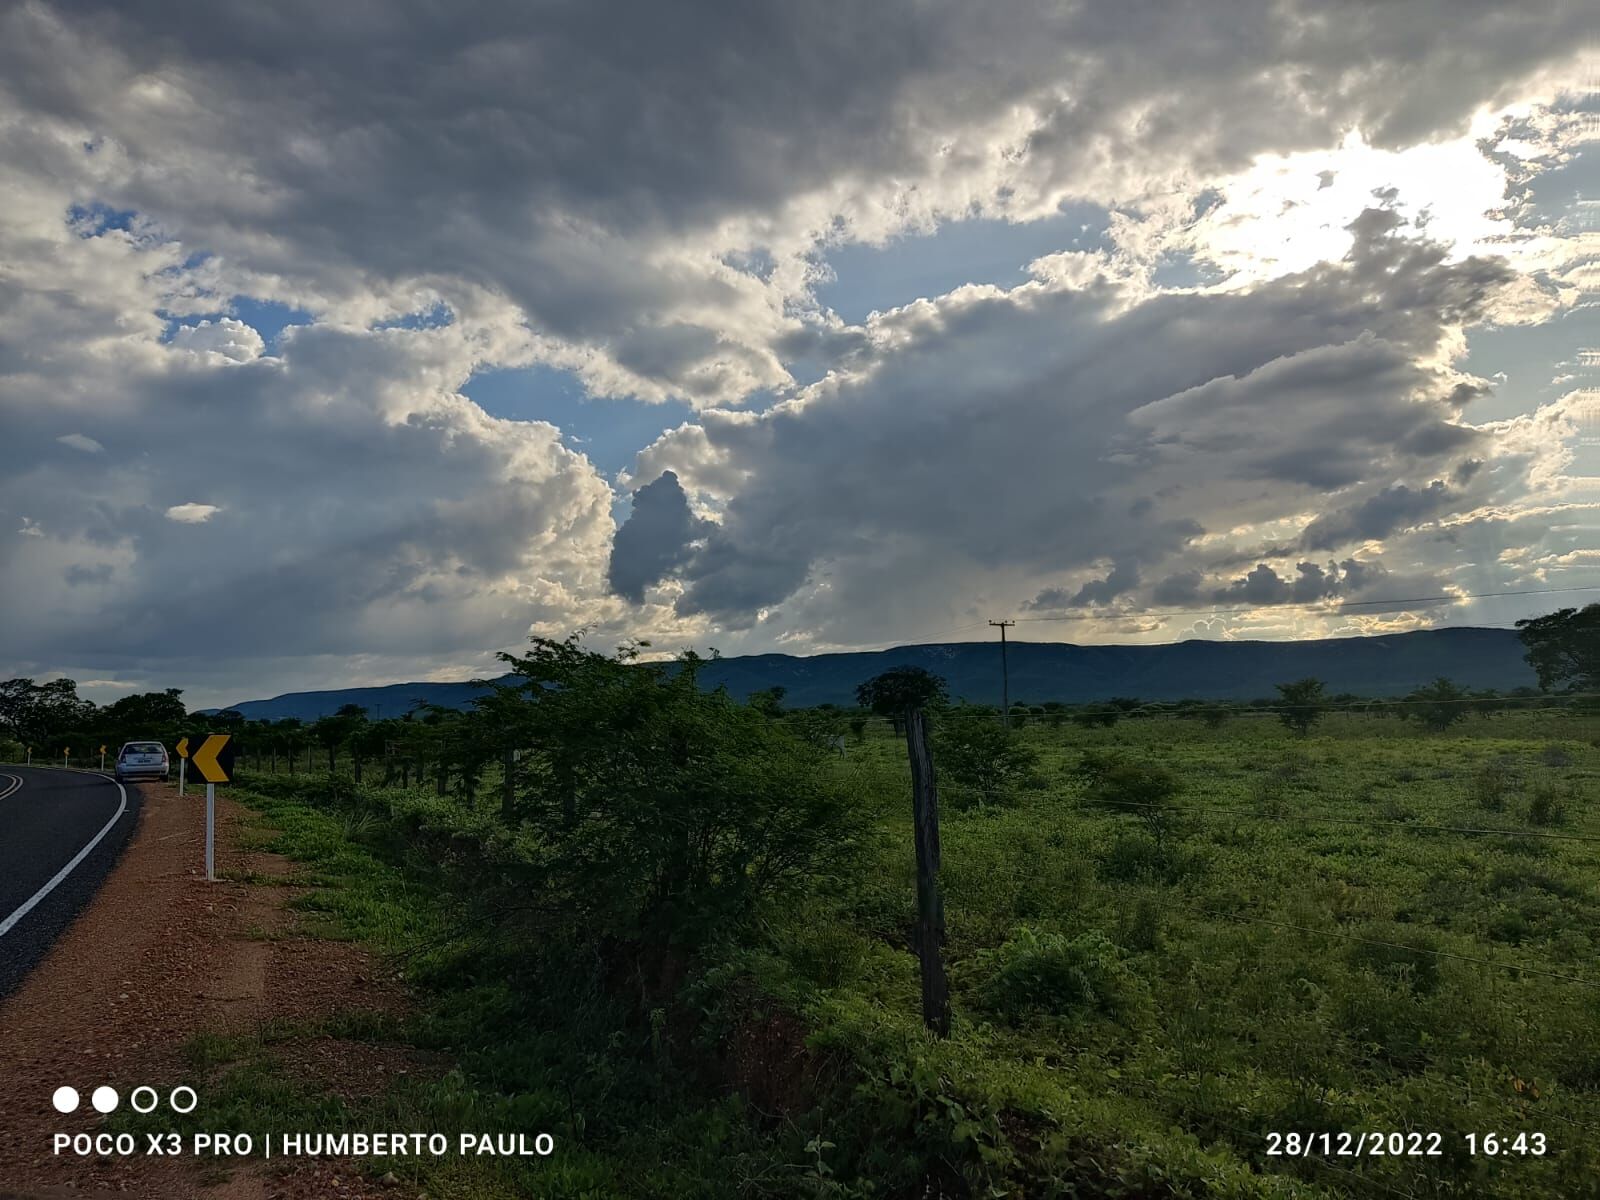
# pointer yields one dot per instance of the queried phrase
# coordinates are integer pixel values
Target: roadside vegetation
(673, 930)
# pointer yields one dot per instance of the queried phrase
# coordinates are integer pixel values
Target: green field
(1309, 938)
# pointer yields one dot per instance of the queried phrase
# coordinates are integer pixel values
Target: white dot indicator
(150, 1092)
(173, 1099)
(104, 1099)
(65, 1099)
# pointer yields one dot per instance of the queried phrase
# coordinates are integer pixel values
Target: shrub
(1439, 705)
(1148, 858)
(1406, 957)
(1089, 716)
(1036, 972)
(665, 814)
(1546, 805)
(1493, 782)
(1116, 782)
(979, 755)
(1301, 704)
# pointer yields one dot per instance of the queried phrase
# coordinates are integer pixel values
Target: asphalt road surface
(60, 835)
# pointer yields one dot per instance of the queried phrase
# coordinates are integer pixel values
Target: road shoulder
(161, 962)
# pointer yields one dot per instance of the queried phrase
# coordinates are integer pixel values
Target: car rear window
(142, 748)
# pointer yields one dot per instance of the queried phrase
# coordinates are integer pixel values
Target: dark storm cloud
(656, 538)
(1311, 582)
(643, 194)
(1123, 578)
(1020, 431)
(597, 164)
(1396, 507)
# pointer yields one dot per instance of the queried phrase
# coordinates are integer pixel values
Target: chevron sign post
(213, 758)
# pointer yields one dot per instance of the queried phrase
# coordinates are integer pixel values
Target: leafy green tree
(35, 713)
(152, 711)
(1487, 701)
(898, 690)
(1090, 715)
(666, 814)
(1439, 705)
(981, 755)
(1564, 647)
(332, 732)
(1301, 704)
(768, 701)
(821, 728)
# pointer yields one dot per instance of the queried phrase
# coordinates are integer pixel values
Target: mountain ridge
(1371, 665)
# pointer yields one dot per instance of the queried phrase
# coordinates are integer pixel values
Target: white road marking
(16, 782)
(29, 904)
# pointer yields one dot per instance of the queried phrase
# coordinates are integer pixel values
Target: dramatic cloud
(1012, 435)
(254, 257)
(655, 539)
(648, 185)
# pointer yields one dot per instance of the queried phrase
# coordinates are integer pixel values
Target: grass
(1307, 943)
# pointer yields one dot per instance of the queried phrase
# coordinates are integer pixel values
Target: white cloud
(1081, 440)
(651, 212)
(230, 340)
(79, 441)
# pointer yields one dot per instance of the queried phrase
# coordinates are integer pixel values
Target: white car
(143, 760)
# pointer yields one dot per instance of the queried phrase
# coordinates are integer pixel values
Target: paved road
(60, 834)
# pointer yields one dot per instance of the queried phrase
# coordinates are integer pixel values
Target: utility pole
(1005, 675)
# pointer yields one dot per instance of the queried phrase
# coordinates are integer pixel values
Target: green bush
(985, 761)
(652, 813)
(1405, 957)
(1042, 972)
(1115, 782)
(1494, 782)
(1546, 805)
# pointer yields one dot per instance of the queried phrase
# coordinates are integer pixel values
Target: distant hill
(1040, 671)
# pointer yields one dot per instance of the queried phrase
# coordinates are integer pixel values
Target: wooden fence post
(930, 902)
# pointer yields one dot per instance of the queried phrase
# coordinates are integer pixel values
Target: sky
(346, 344)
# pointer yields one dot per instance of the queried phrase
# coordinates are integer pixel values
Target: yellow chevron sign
(214, 759)
(183, 747)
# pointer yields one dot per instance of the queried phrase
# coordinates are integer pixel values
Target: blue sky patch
(267, 317)
(979, 250)
(435, 316)
(92, 220)
(608, 432)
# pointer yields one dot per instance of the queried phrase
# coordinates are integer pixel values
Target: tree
(1091, 715)
(34, 713)
(667, 815)
(901, 690)
(1301, 704)
(981, 754)
(331, 732)
(149, 711)
(1564, 648)
(1439, 705)
(768, 701)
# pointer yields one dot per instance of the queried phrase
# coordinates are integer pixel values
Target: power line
(1208, 810)
(1306, 604)
(1375, 702)
(1350, 937)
